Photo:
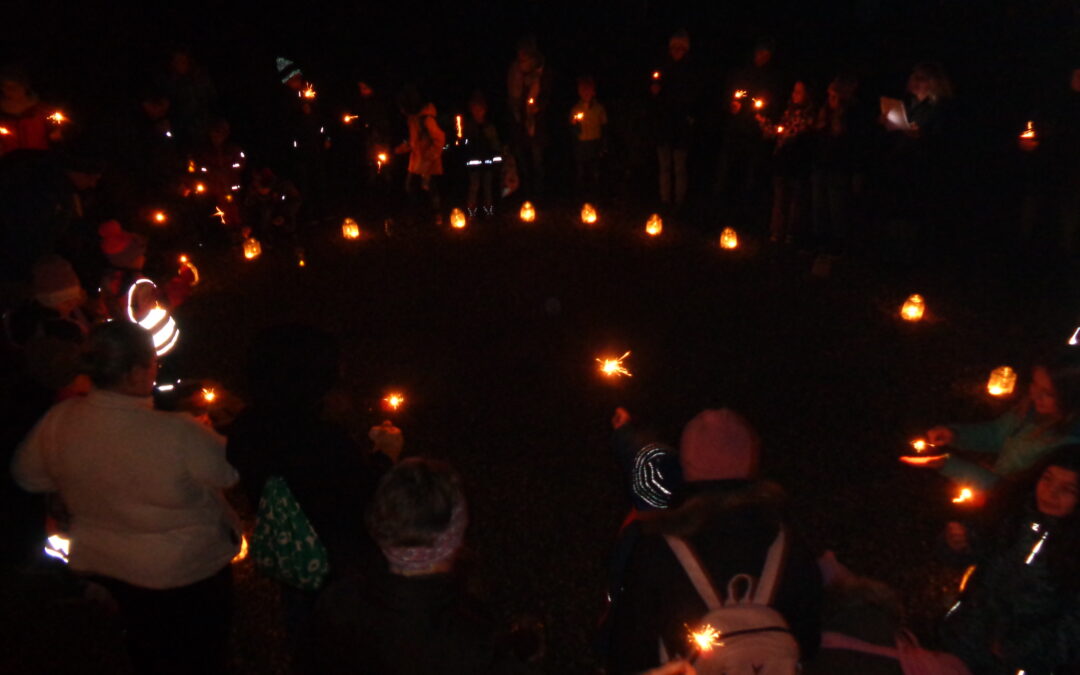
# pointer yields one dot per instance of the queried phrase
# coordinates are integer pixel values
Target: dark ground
(492, 334)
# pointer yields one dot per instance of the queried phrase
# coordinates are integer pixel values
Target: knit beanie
(286, 69)
(655, 477)
(719, 445)
(122, 248)
(55, 282)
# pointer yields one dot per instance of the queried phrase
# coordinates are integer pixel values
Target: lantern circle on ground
(1002, 381)
(729, 239)
(913, 309)
(528, 212)
(350, 229)
(252, 248)
(654, 226)
(457, 219)
(588, 214)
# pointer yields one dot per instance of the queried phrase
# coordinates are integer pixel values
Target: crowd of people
(367, 544)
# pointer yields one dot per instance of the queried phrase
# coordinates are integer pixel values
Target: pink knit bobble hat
(719, 445)
(122, 248)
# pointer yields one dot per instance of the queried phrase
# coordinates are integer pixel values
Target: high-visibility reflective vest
(144, 308)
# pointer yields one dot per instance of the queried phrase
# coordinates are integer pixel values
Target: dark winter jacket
(399, 625)
(730, 525)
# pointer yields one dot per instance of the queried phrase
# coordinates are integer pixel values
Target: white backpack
(741, 635)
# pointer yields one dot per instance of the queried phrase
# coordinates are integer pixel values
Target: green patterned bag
(285, 545)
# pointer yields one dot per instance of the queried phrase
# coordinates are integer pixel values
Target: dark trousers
(178, 630)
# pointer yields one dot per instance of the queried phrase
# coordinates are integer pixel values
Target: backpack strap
(694, 570)
(774, 561)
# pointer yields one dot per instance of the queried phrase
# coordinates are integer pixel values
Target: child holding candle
(1020, 611)
(1044, 420)
(588, 118)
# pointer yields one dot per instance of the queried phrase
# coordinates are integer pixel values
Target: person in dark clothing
(483, 156)
(730, 519)
(1021, 607)
(791, 166)
(291, 368)
(306, 141)
(838, 170)
(192, 94)
(674, 90)
(529, 89)
(416, 618)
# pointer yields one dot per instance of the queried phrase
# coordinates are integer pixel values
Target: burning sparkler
(57, 117)
(759, 103)
(209, 395)
(966, 578)
(348, 119)
(308, 92)
(393, 401)
(578, 117)
(460, 129)
(964, 496)
(381, 159)
(614, 367)
(219, 214)
(186, 264)
(200, 188)
(704, 641)
(740, 94)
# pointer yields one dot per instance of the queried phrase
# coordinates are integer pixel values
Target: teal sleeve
(988, 437)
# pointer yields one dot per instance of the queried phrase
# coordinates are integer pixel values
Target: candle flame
(964, 496)
(209, 395)
(654, 226)
(532, 101)
(58, 117)
(243, 550)
(219, 213)
(729, 239)
(614, 367)
(705, 639)
(528, 212)
(1002, 381)
(160, 217)
(350, 229)
(457, 219)
(394, 401)
(588, 214)
(200, 188)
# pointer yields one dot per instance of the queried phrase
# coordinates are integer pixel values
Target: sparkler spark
(614, 367)
(348, 119)
(706, 639)
(219, 213)
(740, 93)
(921, 444)
(308, 92)
(394, 401)
(965, 496)
(57, 117)
(209, 395)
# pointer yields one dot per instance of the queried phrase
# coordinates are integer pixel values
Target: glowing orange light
(913, 309)
(57, 117)
(350, 229)
(656, 75)
(243, 550)
(614, 367)
(1029, 132)
(219, 214)
(578, 117)
(588, 214)
(705, 639)
(1002, 381)
(4, 131)
(191, 166)
(209, 395)
(759, 103)
(966, 578)
(186, 264)
(381, 159)
(923, 461)
(729, 239)
(308, 92)
(200, 188)
(459, 127)
(779, 129)
(394, 401)
(921, 444)
(160, 217)
(252, 248)
(528, 212)
(740, 94)
(654, 226)
(228, 198)
(532, 101)
(348, 119)
(457, 219)
(964, 496)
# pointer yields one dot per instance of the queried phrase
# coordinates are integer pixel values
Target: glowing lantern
(200, 188)
(654, 226)
(964, 496)
(1029, 133)
(588, 214)
(185, 264)
(457, 219)
(740, 94)
(913, 309)
(759, 103)
(729, 239)
(243, 550)
(350, 229)
(614, 367)
(159, 217)
(528, 212)
(1002, 381)
(308, 92)
(252, 248)
(57, 117)
(301, 261)
(393, 401)
(209, 395)
(219, 214)
(348, 119)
